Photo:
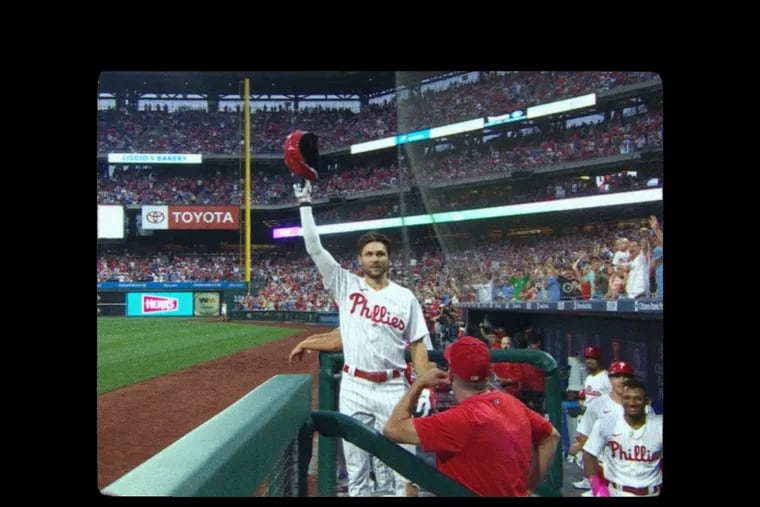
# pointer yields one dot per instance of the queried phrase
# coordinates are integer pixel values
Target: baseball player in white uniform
(378, 319)
(619, 373)
(332, 342)
(597, 384)
(597, 381)
(632, 447)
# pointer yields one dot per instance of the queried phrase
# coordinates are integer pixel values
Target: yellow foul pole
(247, 115)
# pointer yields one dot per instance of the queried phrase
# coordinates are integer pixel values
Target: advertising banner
(159, 304)
(170, 285)
(206, 304)
(155, 158)
(191, 217)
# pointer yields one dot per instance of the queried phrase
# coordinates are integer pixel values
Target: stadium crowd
(162, 185)
(489, 271)
(195, 131)
(519, 269)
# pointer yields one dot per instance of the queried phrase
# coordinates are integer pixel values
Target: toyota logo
(155, 217)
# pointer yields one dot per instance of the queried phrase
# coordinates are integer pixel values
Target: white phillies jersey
(375, 325)
(600, 407)
(633, 457)
(596, 385)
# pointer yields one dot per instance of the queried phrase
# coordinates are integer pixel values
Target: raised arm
(655, 227)
(578, 272)
(400, 427)
(326, 263)
(644, 246)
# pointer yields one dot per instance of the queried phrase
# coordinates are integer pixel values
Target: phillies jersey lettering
(637, 453)
(376, 325)
(377, 314)
(596, 385)
(590, 393)
(633, 457)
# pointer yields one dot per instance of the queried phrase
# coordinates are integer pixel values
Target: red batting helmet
(301, 154)
(593, 352)
(620, 368)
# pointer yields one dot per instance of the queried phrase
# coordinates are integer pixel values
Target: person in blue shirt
(657, 254)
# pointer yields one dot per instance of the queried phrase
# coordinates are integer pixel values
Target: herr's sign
(190, 217)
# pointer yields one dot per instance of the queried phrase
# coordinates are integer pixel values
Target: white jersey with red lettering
(596, 385)
(600, 407)
(376, 326)
(632, 457)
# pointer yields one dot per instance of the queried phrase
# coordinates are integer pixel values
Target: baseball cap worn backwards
(469, 359)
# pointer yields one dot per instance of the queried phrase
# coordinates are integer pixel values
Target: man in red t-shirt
(489, 442)
(508, 375)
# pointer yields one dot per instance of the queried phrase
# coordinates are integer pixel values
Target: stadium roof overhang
(291, 83)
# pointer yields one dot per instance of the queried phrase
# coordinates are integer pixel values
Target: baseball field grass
(134, 349)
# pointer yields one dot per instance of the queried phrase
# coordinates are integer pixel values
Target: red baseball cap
(620, 368)
(469, 359)
(593, 352)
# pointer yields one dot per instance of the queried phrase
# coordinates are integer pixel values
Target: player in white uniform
(597, 384)
(619, 373)
(632, 447)
(378, 319)
(597, 381)
(332, 342)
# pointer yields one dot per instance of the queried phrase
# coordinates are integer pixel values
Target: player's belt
(651, 490)
(372, 376)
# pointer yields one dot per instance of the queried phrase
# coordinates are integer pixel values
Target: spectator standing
(621, 257)
(637, 285)
(616, 285)
(553, 289)
(518, 283)
(601, 280)
(584, 272)
(657, 259)
(484, 291)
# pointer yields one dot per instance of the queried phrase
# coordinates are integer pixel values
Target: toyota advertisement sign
(190, 217)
